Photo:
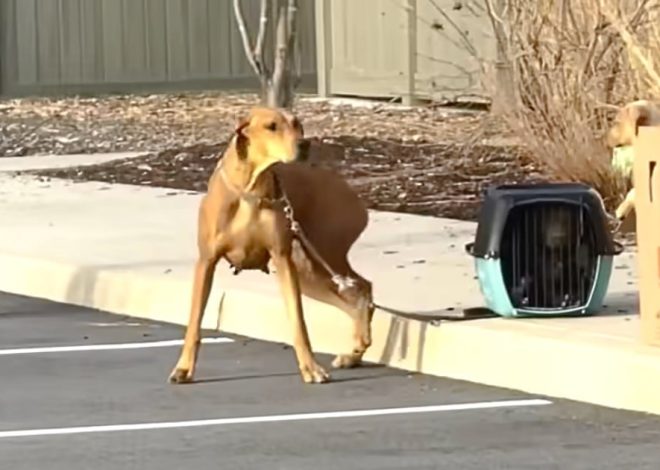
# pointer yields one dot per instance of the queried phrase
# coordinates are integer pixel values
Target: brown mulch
(433, 179)
(165, 121)
(423, 160)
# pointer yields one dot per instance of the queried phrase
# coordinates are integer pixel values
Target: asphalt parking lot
(87, 390)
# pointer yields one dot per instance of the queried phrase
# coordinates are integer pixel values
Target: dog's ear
(298, 126)
(637, 115)
(242, 140)
(303, 150)
(241, 126)
(626, 124)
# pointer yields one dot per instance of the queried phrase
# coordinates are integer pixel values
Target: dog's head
(269, 136)
(627, 122)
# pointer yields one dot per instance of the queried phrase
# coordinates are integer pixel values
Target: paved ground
(55, 406)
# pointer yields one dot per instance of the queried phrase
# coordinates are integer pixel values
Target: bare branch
(297, 69)
(261, 36)
(279, 77)
(242, 28)
(292, 16)
(293, 43)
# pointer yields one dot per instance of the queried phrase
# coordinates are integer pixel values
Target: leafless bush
(642, 47)
(568, 66)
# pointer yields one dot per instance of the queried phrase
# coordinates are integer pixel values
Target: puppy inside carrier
(543, 250)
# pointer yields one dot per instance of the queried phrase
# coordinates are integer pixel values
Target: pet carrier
(543, 250)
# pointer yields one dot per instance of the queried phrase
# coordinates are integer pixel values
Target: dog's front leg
(310, 370)
(185, 367)
(626, 206)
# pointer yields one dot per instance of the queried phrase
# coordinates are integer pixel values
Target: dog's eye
(271, 126)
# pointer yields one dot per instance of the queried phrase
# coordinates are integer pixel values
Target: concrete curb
(513, 354)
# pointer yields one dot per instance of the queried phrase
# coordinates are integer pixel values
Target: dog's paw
(314, 374)
(180, 376)
(346, 361)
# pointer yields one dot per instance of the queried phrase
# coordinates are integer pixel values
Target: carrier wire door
(548, 256)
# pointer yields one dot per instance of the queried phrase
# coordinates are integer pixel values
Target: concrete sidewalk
(130, 250)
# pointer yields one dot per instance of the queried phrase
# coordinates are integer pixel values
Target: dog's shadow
(338, 375)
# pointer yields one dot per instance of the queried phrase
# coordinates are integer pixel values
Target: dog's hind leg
(359, 300)
(356, 301)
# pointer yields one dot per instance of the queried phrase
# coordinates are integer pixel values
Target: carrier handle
(469, 248)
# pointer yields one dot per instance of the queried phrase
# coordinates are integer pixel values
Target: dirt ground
(423, 160)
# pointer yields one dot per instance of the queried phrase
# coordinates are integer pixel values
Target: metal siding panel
(156, 39)
(134, 41)
(25, 24)
(177, 39)
(198, 44)
(336, 35)
(445, 68)
(307, 36)
(390, 41)
(376, 67)
(71, 48)
(92, 41)
(113, 45)
(48, 43)
(221, 16)
(8, 46)
(113, 54)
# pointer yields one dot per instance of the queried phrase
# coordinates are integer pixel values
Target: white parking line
(107, 347)
(270, 419)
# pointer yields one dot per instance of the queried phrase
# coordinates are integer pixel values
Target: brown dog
(261, 207)
(623, 133)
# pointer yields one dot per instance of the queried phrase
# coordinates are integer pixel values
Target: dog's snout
(302, 151)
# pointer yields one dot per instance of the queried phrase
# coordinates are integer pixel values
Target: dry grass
(571, 63)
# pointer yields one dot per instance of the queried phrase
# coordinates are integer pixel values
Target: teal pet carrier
(543, 250)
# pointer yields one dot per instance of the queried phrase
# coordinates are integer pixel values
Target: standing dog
(262, 206)
(622, 135)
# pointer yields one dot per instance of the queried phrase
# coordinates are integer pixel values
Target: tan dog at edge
(242, 219)
(623, 133)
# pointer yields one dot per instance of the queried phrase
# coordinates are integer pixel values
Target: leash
(342, 282)
(346, 282)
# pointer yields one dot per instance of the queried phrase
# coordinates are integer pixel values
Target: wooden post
(323, 23)
(410, 8)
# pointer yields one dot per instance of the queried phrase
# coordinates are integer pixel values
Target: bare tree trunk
(277, 92)
(277, 88)
(504, 94)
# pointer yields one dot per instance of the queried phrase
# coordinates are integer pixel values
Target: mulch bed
(158, 122)
(444, 180)
(423, 160)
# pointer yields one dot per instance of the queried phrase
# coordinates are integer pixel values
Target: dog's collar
(247, 195)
